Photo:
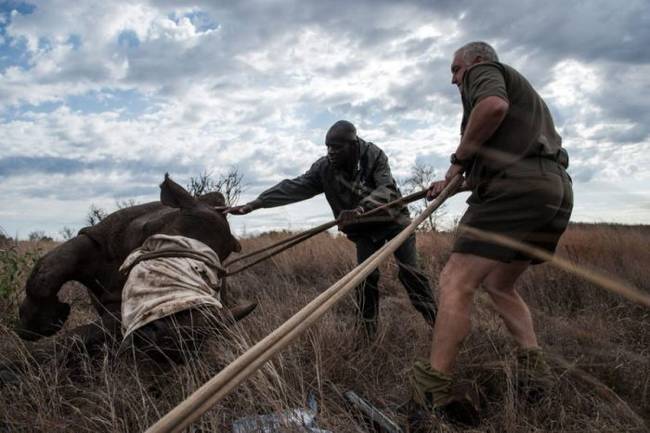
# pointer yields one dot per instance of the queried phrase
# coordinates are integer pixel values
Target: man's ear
(174, 195)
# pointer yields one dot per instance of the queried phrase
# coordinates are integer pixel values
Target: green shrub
(14, 267)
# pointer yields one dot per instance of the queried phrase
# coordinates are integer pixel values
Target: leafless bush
(95, 215)
(230, 185)
(124, 203)
(38, 235)
(67, 233)
(421, 177)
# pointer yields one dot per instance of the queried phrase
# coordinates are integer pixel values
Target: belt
(532, 166)
(561, 157)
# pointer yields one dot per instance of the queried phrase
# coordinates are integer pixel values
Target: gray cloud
(255, 84)
(589, 31)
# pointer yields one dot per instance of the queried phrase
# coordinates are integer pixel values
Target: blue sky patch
(18, 112)
(23, 8)
(128, 39)
(322, 120)
(24, 164)
(201, 20)
(130, 103)
(12, 51)
(75, 41)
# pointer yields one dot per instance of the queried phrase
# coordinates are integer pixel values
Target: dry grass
(600, 334)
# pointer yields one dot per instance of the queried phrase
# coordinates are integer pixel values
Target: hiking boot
(535, 378)
(435, 392)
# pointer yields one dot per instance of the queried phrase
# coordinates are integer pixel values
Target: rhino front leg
(41, 313)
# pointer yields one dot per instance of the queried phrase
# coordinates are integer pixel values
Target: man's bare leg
(499, 283)
(459, 280)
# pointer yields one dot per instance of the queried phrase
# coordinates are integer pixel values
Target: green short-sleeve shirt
(527, 129)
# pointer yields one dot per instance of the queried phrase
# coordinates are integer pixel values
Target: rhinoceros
(94, 256)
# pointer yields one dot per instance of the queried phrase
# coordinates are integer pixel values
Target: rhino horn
(240, 311)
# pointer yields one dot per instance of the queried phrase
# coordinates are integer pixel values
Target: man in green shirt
(514, 164)
(355, 177)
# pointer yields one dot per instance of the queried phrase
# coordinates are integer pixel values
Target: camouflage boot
(535, 378)
(434, 392)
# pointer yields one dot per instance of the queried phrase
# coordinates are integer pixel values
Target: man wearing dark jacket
(355, 177)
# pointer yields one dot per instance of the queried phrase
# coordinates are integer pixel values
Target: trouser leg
(368, 292)
(414, 281)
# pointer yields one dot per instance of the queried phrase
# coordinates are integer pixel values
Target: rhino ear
(174, 195)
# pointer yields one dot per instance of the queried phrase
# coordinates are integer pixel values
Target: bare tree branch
(421, 177)
(230, 185)
(95, 215)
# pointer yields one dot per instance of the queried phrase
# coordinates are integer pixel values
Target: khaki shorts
(530, 203)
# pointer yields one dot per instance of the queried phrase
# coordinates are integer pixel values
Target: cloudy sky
(98, 99)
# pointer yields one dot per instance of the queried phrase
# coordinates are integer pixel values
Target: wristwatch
(455, 161)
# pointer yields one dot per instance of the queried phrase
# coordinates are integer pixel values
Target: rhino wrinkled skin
(94, 256)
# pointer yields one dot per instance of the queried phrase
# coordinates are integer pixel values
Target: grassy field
(600, 345)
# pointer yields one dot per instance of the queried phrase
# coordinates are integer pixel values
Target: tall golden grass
(595, 332)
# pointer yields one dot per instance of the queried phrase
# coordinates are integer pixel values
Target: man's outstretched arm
(286, 192)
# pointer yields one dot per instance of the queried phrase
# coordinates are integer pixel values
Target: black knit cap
(341, 132)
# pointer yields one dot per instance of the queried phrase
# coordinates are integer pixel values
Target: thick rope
(295, 240)
(236, 372)
(291, 241)
(221, 271)
(314, 230)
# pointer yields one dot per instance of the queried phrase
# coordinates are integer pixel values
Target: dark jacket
(368, 186)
